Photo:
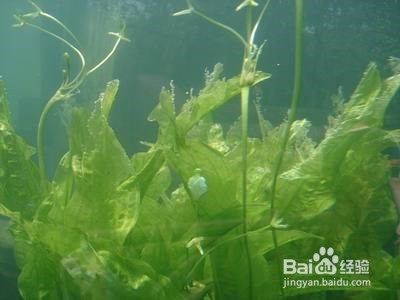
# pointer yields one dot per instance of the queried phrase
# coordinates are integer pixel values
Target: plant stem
(246, 81)
(291, 115)
(249, 15)
(40, 138)
(66, 88)
(106, 58)
(255, 28)
(295, 98)
(221, 25)
(245, 90)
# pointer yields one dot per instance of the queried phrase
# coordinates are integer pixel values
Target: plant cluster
(204, 213)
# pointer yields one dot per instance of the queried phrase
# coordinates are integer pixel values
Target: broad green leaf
(164, 115)
(146, 166)
(20, 188)
(174, 127)
(86, 193)
(139, 279)
(161, 240)
(107, 98)
(313, 183)
(216, 93)
(214, 193)
(367, 89)
(42, 276)
(230, 267)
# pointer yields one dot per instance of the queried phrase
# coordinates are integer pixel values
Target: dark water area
(340, 38)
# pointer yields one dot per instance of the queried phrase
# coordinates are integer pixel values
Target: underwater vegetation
(205, 212)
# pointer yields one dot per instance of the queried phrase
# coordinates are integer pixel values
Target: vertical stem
(40, 141)
(249, 17)
(298, 60)
(40, 136)
(245, 90)
(292, 112)
(295, 97)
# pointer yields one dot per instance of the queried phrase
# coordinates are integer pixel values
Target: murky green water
(178, 208)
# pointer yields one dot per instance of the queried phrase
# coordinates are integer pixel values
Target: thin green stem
(245, 90)
(40, 136)
(218, 24)
(278, 261)
(40, 12)
(260, 17)
(245, 94)
(107, 57)
(35, 6)
(249, 20)
(222, 243)
(295, 98)
(61, 24)
(76, 50)
(291, 116)
(66, 87)
(250, 56)
(298, 60)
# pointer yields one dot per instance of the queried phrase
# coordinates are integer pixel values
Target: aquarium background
(340, 38)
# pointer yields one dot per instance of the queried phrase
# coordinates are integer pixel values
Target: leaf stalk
(291, 118)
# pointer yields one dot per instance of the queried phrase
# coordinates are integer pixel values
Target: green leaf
(107, 98)
(217, 202)
(173, 128)
(230, 268)
(216, 93)
(87, 193)
(164, 115)
(42, 276)
(20, 188)
(99, 165)
(4, 112)
(312, 187)
(138, 278)
(146, 166)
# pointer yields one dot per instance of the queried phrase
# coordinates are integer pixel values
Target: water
(340, 38)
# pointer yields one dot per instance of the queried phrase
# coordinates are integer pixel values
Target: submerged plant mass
(204, 213)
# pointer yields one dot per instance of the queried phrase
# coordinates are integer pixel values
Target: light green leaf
(20, 188)
(107, 98)
(97, 205)
(216, 93)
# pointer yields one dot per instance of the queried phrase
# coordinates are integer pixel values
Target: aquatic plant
(203, 214)
(247, 79)
(69, 84)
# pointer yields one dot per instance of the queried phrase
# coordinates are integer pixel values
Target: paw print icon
(326, 261)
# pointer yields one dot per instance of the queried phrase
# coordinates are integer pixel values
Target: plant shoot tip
(119, 35)
(246, 3)
(183, 12)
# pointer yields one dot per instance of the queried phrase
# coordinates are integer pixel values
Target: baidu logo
(325, 262)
